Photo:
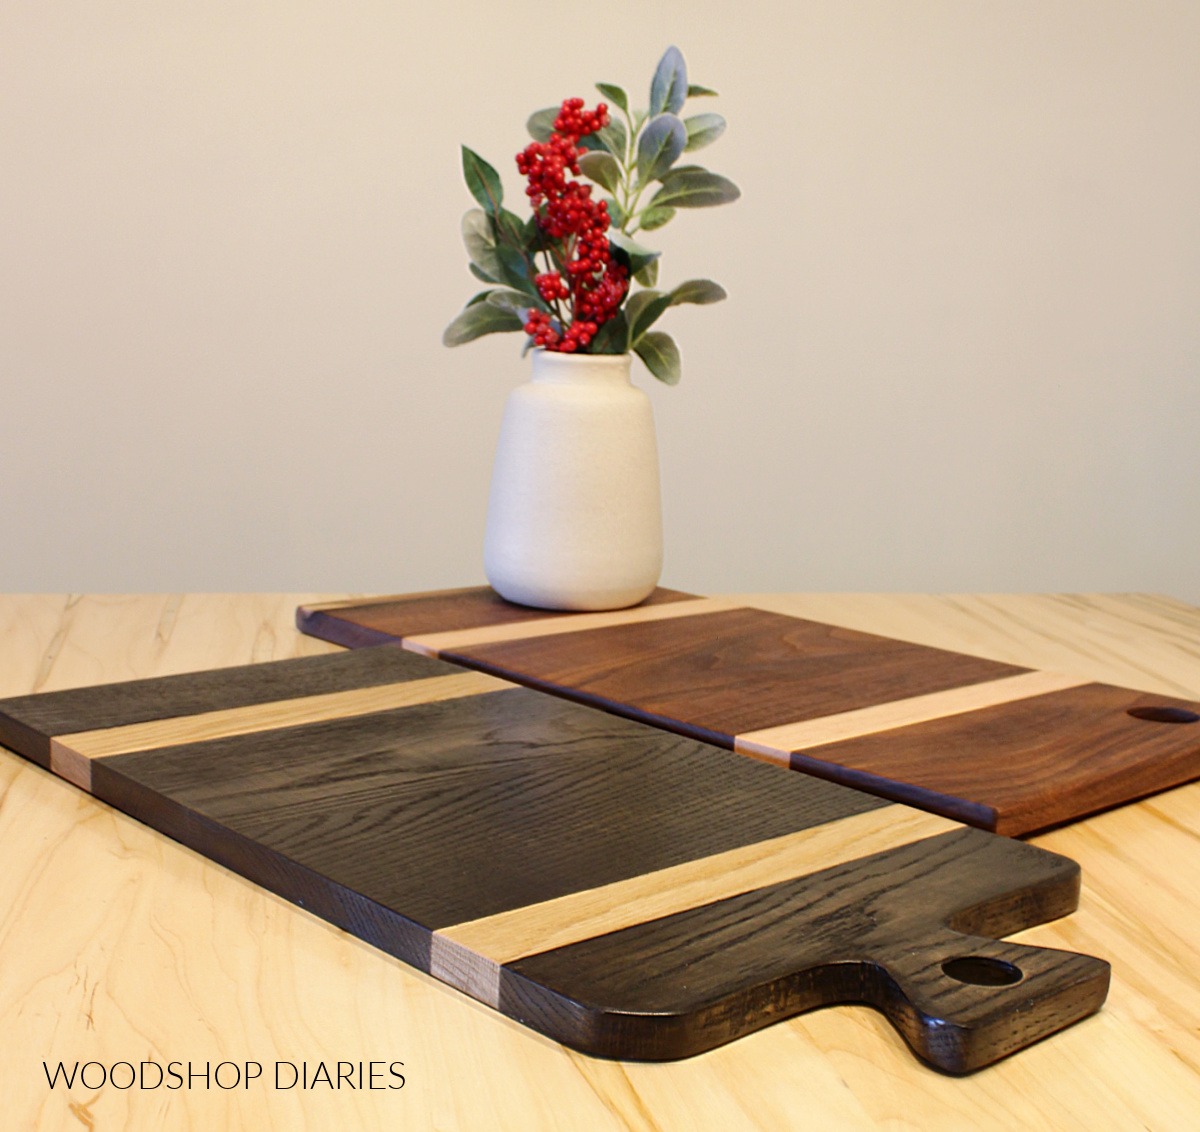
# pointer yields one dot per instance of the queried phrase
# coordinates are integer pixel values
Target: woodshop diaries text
(227, 1075)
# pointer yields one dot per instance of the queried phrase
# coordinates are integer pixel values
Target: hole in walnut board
(1161, 713)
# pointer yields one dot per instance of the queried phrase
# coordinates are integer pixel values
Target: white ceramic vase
(575, 515)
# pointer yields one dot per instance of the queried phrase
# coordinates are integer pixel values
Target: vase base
(574, 601)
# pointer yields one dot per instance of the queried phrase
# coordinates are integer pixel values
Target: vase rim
(541, 352)
(558, 368)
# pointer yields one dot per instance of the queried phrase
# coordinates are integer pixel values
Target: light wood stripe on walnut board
(628, 891)
(1005, 748)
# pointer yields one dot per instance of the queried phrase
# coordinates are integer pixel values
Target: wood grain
(470, 955)
(951, 876)
(267, 717)
(1058, 756)
(114, 938)
(390, 619)
(461, 829)
(364, 793)
(433, 644)
(26, 722)
(692, 674)
(776, 744)
(806, 694)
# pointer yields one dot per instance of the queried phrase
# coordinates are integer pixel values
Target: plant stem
(631, 212)
(551, 265)
(628, 167)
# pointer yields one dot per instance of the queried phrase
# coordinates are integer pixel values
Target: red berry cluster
(594, 283)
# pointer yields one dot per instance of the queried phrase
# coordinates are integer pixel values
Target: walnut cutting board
(1004, 748)
(625, 890)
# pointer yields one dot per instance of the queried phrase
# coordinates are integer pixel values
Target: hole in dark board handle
(1161, 713)
(982, 971)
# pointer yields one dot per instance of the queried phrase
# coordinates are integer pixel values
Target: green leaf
(615, 212)
(480, 243)
(481, 297)
(614, 138)
(477, 320)
(630, 252)
(541, 123)
(695, 188)
(515, 302)
(481, 275)
(648, 275)
(531, 235)
(590, 142)
(639, 118)
(703, 129)
(514, 269)
(612, 337)
(695, 91)
(661, 355)
(509, 228)
(659, 147)
(698, 291)
(636, 302)
(615, 95)
(602, 168)
(482, 180)
(656, 217)
(642, 310)
(669, 87)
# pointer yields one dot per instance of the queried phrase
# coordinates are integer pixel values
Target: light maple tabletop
(117, 944)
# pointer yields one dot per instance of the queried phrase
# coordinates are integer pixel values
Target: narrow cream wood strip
(469, 955)
(380, 599)
(265, 717)
(74, 767)
(431, 644)
(774, 744)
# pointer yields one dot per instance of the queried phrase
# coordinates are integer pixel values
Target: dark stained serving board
(1005, 748)
(621, 888)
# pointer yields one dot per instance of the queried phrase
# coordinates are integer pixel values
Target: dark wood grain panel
(28, 722)
(509, 827)
(388, 620)
(1027, 765)
(461, 809)
(833, 937)
(717, 674)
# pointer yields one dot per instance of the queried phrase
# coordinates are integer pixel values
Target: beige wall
(962, 350)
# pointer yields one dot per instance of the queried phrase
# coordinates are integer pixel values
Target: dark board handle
(962, 1001)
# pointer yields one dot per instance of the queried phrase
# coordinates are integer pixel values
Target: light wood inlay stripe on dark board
(433, 644)
(1051, 758)
(469, 955)
(391, 618)
(777, 744)
(26, 722)
(70, 755)
(728, 672)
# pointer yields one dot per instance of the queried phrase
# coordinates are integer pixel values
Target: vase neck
(552, 368)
